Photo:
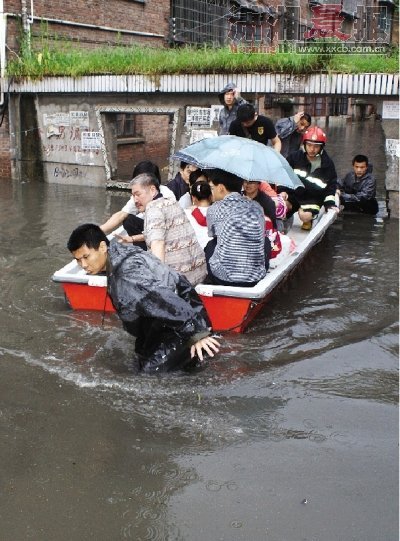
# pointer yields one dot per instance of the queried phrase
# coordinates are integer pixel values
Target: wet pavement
(291, 434)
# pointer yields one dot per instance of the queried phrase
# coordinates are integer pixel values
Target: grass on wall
(71, 61)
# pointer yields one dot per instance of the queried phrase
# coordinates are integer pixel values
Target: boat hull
(230, 309)
(230, 314)
(85, 297)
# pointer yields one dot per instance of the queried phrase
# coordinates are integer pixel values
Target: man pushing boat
(156, 304)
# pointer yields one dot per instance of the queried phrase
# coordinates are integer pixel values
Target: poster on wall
(391, 109)
(91, 140)
(198, 116)
(198, 135)
(55, 124)
(393, 147)
(215, 111)
(79, 119)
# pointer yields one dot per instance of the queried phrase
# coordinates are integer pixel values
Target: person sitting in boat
(186, 200)
(156, 304)
(167, 231)
(122, 217)
(238, 254)
(317, 172)
(290, 131)
(281, 245)
(180, 184)
(200, 192)
(357, 190)
(280, 203)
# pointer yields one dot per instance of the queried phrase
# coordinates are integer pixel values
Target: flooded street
(290, 434)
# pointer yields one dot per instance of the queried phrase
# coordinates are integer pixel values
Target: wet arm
(114, 221)
(157, 248)
(276, 143)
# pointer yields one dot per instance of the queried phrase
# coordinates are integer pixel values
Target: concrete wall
(47, 144)
(391, 129)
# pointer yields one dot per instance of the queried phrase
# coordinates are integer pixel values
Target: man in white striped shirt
(238, 254)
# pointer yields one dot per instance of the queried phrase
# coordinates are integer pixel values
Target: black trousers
(134, 226)
(366, 206)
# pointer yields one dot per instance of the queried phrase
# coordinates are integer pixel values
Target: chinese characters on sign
(391, 109)
(91, 140)
(327, 21)
(347, 27)
(198, 116)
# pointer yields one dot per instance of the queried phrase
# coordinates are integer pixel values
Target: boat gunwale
(256, 293)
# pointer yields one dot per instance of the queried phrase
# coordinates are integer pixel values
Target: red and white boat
(229, 308)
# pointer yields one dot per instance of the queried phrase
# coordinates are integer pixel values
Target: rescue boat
(229, 308)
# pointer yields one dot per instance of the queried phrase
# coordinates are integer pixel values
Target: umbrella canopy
(243, 157)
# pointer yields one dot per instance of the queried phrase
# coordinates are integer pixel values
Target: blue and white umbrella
(243, 157)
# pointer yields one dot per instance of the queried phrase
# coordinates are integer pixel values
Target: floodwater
(290, 434)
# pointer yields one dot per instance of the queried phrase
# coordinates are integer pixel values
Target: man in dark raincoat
(156, 304)
(357, 189)
(231, 100)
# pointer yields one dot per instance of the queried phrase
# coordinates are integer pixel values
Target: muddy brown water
(290, 434)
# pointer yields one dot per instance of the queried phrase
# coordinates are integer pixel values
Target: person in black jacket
(156, 304)
(179, 185)
(357, 189)
(317, 172)
(251, 125)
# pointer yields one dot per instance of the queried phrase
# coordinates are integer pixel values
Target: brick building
(82, 23)
(253, 25)
(89, 23)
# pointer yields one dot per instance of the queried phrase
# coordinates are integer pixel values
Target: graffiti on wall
(68, 172)
(68, 133)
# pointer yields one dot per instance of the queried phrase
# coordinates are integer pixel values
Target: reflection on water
(340, 308)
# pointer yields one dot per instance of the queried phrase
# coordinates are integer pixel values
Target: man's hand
(209, 344)
(297, 117)
(123, 239)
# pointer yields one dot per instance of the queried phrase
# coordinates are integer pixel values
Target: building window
(126, 125)
(384, 26)
(292, 24)
(199, 21)
(338, 106)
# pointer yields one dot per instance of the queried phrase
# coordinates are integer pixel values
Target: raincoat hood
(227, 88)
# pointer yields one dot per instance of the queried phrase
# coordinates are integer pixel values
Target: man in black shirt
(250, 124)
